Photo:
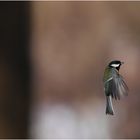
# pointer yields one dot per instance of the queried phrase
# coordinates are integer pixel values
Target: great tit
(114, 85)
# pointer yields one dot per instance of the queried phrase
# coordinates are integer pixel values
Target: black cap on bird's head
(115, 64)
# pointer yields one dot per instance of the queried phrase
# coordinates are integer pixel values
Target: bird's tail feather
(109, 106)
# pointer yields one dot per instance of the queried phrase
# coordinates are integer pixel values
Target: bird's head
(115, 64)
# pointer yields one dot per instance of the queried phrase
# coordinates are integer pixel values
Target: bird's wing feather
(116, 86)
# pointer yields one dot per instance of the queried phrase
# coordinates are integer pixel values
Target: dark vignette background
(14, 69)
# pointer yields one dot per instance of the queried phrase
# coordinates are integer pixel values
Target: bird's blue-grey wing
(111, 88)
(116, 86)
(122, 87)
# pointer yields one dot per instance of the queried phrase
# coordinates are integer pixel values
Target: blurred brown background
(53, 55)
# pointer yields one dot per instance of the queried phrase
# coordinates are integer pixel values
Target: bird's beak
(122, 62)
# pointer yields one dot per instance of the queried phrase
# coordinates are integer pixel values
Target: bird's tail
(109, 106)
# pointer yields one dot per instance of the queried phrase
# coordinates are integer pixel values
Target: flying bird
(114, 85)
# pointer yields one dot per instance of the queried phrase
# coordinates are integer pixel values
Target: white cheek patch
(115, 65)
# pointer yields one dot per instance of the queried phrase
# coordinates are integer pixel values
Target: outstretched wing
(116, 86)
